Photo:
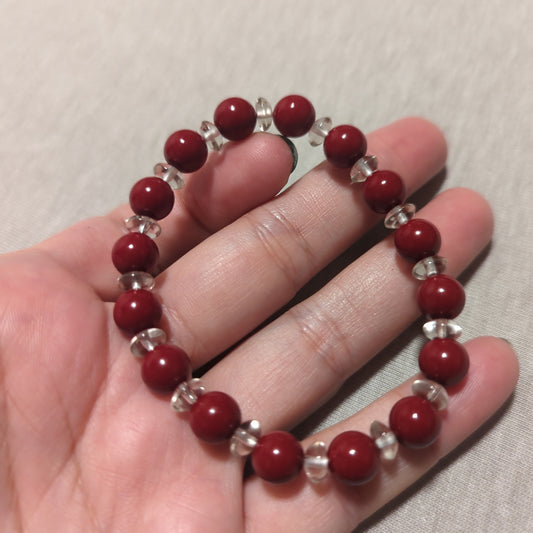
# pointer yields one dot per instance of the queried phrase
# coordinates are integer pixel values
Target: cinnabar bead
(135, 251)
(165, 367)
(353, 457)
(294, 115)
(415, 422)
(136, 310)
(444, 361)
(441, 296)
(383, 190)
(417, 239)
(344, 145)
(186, 150)
(215, 416)
(152, 197)
(235, 119)
(278, 457)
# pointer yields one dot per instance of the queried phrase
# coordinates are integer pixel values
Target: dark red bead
(152, 197)
(278, 457)
(165, 367)
(344, 145)
(441, 296)
(415, 422)
(235, 119)
(353, 457)
(294, 115)
(186, 150)
(444, 361)
(417, 239)
(135, 251)
(136, 310)
(215, 416)
(383, 190)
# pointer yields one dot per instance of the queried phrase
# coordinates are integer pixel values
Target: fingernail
(507, 341)
(294, 152)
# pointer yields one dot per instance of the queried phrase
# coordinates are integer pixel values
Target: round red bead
(344, 145)
(441, 296)
(186, 150)
(235, 119)
(353, 457)
(444, 361)
(294, 115)
(417, 239)
(383, 190)
(136, 310)
(415, 422)
(135, 251)
(152, 197)
(277, 457)
(215, 416)
(165, 367)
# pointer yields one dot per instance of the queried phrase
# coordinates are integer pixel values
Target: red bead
(444, 361)
(294, 115)
(417, 239)
(165, 367)
(136, 310)
(152, 197)
(135, 251)
(383, 190)
(344, 145)
(441, 296)
(186, 150)
(415, 422)
(277, 457)
(235, 119)
(215, 416)
(353, 457)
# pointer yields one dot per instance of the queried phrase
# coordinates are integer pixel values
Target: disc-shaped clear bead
(146, 340)
(385, 440)
(363, 168)
(316, 462)
(186, 395)
(142, 224)
(429, 266)
(442, 328)
(434, 392)
(245, 438)
(319, 131)
(399, 215)
(169, 174)
(264, 113)
(211, 135)
(135, 280)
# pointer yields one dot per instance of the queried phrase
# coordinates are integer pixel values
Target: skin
(85, 446)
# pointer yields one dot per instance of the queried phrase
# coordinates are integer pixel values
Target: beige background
(90, 90)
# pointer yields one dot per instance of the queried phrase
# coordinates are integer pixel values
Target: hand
(87, 447)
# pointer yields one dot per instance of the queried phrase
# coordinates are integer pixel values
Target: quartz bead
(135, 251)
(235, 119)
(214, 417)
(415, 422)
(137, 310)
(186, 150)
(169, 174)
(444, 361)
(186, 395)
(441, 296)
(431, 391)
(363, 168)
(142, 224)
(145, 341)
(385, 440)
(399, 215)
(263, 110)
(316, 462)
(136, 280)
(245, 438)
(417, 239)
(211, 136)
(165, 367)
(278, 457)
(152, 197)
(383, 190)
(429, 266)
(344, 145)
(294, 115)
(441, 328)
(319, 131)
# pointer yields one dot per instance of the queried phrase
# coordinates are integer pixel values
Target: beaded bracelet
(215, 417)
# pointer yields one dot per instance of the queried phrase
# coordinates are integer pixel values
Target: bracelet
(214, 416)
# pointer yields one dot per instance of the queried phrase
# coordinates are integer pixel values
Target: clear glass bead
(146, 340)
(429, 266)
(319, 131)
(399, 215)
(316, 462)
(434, 392)
(245, 438)
(186, 395)
(264, 113)
(385, 440)
(169, 174)
(142, 224)
(442, 328)
(211, 135)
(363, 168)
(135, 280)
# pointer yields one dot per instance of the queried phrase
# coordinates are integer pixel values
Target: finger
(333, 507)
(240, 177)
